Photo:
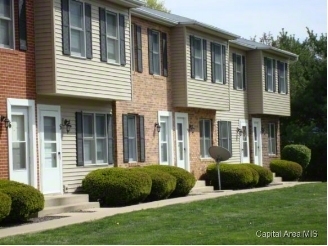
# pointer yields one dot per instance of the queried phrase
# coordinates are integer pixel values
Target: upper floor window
(282, 78)
(272, 139)
(270, 74)
(6, 24)
(205, 137)
(157, 53)
(225, 139)
(198, 54)
(77, 28)
(112, 34)
(239, 72)
(218, 63)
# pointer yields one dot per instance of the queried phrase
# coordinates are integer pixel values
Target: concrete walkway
(99, 213)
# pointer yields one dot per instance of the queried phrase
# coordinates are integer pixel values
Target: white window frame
(201, 58)
(30, 104)
(204, 138)
(272, 150)
(12, 29)
(217, 46)
(133, 50)
(170, 158)
(284, 88)
(116, 39)
(83, 39)
(157, 52)
(227, 128)
(240, 72)
(94, 138)
(131, 160)
(272, 74)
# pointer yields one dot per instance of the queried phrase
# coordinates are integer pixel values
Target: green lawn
(237, 219)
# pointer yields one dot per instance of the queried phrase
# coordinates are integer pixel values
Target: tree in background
(157, 4)
(308, 87)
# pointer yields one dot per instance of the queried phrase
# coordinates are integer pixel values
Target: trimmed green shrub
(117, 186)
(5, 205)
(297, 153)
(25, 200)
(288, 170)
(265, 175)
(233, 176)
(185, 180)
(163, 183)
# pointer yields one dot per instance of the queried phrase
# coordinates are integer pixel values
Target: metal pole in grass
(218, 166)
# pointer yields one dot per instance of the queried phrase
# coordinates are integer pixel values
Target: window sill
(113, 63)
(78, 57)
(240, 90)
(97, 165)
(199, 79)
(206, 159)
(270, 92)
(282, 93)
(272, 155)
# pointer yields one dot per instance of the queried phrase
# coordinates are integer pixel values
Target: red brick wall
(17, 78)
(265, 120)
(153, 93)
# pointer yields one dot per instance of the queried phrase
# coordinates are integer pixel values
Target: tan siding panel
(44, 55)
(205, 94)
(93, 78)
(73, 175)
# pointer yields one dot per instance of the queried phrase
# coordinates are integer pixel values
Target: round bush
(297, 153)
(288, 170)
(233, 176)
(163, 184)
(265, 175)
(5, 205)
(185, 180)
(117, 186)
(25, 200)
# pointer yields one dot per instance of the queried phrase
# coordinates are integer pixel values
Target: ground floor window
(225, 139)
(272, 150)
(205, 137)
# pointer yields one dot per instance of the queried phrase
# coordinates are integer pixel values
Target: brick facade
(153, 93)
(17, 78)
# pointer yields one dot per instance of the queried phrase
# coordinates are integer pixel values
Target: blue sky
(253, 17)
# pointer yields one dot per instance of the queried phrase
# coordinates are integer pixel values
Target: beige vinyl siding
(44, 46)
(255, 86)
(205, 94)
(238, 108)
(72, 174)
(178, 66)
(92, 78)
(275, 103)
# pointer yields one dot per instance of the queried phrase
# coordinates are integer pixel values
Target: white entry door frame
(244, 142)
(257, 140)
(182, 140)
(49, 118)
(165, 138)
(21, 112)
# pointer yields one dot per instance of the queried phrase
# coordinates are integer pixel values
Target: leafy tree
(308, 87)
(158, 5)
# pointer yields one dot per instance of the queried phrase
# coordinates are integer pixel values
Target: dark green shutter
(125, 138)
(205, 59)
(286, 77)
(164, 54)
(79, 139)
(279, 74)
(110, 139)
(88, 30)
(142, 155)
(150, 51)
(274, 74)
(266, 73)
(139, 49)
(65, 27)
(122, 39)
(192, 57)
(22, 25)
(213, 62)
(234, 61)
(224, 64)
(230, 136)
(244, 73)
(102, 31)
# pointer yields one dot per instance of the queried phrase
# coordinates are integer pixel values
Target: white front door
(182, 140)
(244, 146)
(50, 149)
(257, 141)
(21, 165)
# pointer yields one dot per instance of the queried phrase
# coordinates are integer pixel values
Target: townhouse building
(117, 84)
